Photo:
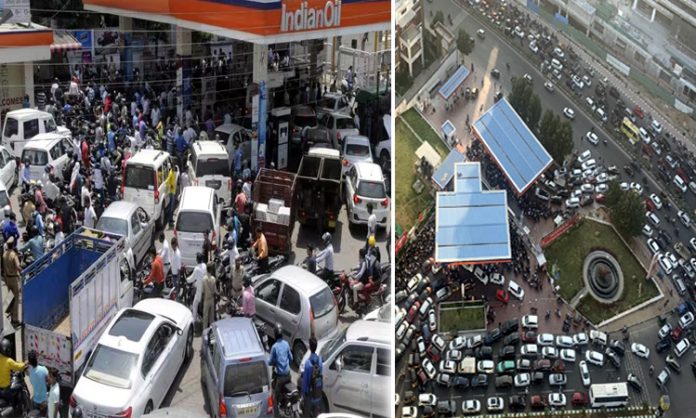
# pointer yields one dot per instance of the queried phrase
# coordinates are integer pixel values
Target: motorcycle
(371, 295)
(22, 405)
(289, 402)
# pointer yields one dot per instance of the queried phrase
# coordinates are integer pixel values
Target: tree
(547, 127)
(613, 194)
(533, 112)
(563, 141)
(465, 43)
(628, 213)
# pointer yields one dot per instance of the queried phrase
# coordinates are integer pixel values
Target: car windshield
(345, 123)
(212, 167)
(140, 177)
(357, 150)
(302, 121)
(246, 379)
(333, 344)
(35, 157)
(328, 102)
(111, 367)
(113, 225)
(322, 303)
(371, 189)
(194, 222)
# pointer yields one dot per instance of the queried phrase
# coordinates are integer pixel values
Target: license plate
(246, 411)
(213, 184)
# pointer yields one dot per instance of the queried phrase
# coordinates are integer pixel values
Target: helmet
(278, 332)
(200, 258)
(326, 237)
(371, 241)
(247, 281)
(77, 412)
(6, 347)
(39, 184)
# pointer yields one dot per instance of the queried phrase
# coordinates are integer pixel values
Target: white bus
(609, 395)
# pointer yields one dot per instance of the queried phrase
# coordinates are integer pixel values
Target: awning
(63, 41)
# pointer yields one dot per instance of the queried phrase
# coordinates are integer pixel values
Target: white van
(209, 166)
(198, 214)
(229, 135)
(144, 182)
(47, 149)
(680, 183)
(644, 135)
(24, 124)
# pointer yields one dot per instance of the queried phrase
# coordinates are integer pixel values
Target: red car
(580, 399)
(638, 111)
(413, 312)
(600, 198)
(676, 334)
(650, 205)
(502, 296)
(529, 337)
(538, 401)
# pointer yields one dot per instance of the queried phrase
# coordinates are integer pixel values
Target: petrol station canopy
(471, 225)
(258, 21)
(512, 145)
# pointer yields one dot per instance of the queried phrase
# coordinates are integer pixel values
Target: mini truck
(273, 195)
(318, 188)
(70, 295)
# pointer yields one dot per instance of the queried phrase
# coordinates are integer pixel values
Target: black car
(498, 96)
(460, 382)
(446, 407)
(495, 73)
(492, 336)
(627, 168)
(538, 378)
(613, 92)
(673, 364)
(613, 358)
(510, 326)
(618, 346)
(693, 368)
(484, 353)
(467, 93)
(507, 352)
(634, 382)
(517, 402)
(512, 339)
(479, 381)
(663, 345)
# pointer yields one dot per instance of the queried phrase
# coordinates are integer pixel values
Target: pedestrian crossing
(634, 365)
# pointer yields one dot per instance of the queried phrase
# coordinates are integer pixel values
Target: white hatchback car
(364, 185)
(136, 359)
(557, 399)
(530, 321)
(595, 358)
(356, 148)
(515, 290)
(545, 339)
(569, 113)
(584, 373)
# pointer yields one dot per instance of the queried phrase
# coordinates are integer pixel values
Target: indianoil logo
(310, 18)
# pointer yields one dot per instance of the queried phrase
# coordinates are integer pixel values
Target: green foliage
(555, 135)
(534, 112)
(613, 194)
(627, 214)
(465, 43)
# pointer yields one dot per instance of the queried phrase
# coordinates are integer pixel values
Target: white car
(557, 399)
(495, 404)
(653, 246)
(364, 185)
(647, 230)
(533, 47)
(598, 337)
(569, 113)
(656, 201)
(485, 366)
(584, 373)
(565, 341)
(602, 178)
(545, 339)
(497, 278)
(594, 357)
(656, 126)
(602, 188)
(686, 320)
(692, 242)
(665, 264)
(428, 368)
(584, 156)
(409, 412)
(432, 320)
(587, 188)
(637, 187)
(383, 149)
(448, 366)
(471, 406)
(592, 138)
(527, 78)
(519, 32)
(558, 52)
(549, 86)
(568, 354)
(427, 399)
(8, 169)
(356, 148)
(580, 339)
(530, 322)
(640, 350)
(515, 290)
(573, 202)
(624, 186)
(653, 218)
(549, 352)
(136, 359)
(681, 347)
(522, 380)
(684, 218)
(589, 164)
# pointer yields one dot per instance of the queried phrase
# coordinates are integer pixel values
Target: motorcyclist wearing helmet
(197, 279)
(365, 271)
(248, 299)
(326, 256)
(7, 366)
(281, 357)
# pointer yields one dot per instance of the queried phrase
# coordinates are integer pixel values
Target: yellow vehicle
(630, 130)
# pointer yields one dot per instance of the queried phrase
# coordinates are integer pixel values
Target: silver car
(300, 302)
(131, 221)
(357, 369)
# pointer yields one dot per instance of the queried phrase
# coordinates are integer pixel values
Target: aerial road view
(196, 208)
(545, 196)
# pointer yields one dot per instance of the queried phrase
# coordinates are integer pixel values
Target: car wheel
(148, 408)
(188, 352)
(298, 352)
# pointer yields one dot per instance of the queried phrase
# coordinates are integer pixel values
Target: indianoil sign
(305, 17)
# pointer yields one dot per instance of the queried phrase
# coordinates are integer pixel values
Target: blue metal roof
(444, 173)
(452, 83)
(516, 150)
(448, 128)
(471, 225)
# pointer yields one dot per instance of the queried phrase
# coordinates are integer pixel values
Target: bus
(630, 130)
(609, 395)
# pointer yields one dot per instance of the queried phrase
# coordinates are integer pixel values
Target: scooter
(22, 405)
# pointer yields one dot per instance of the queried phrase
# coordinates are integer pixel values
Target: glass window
(290, 302)
(4, 199)
(31, 128)
(212, 167)
(35, 157)
(356, 358)
(11, 127)
(132, 324)
(322, 303)
(135, 223)
(111, 367)
(357, 150)
(6, 155)
(268, 292)
(50, 125)
(245, 379)
(113, 225)
(56, 152)
(140, 177)
(371, 189)
(194, 222)
(345, 123)
(212, 351)
(383, 362)
(2, 160)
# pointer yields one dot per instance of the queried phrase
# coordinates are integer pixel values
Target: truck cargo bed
(64, 327)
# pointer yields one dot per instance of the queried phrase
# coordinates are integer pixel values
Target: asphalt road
(496, 50)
